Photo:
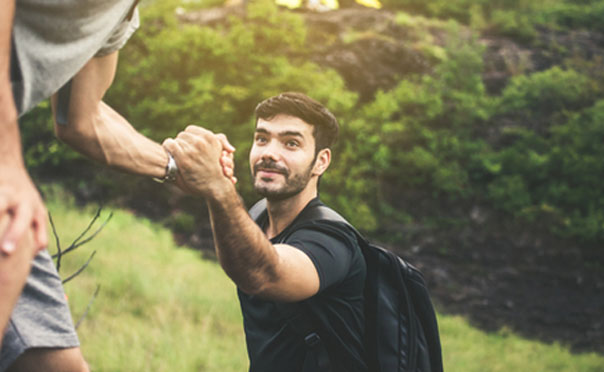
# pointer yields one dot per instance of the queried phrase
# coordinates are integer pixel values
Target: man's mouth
(268, 170)
(262, 170)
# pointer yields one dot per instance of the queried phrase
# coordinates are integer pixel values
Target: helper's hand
(21, 201)
(204, 159)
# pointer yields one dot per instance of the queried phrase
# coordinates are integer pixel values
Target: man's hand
(204, 159)
(227, 159)
(21, 201)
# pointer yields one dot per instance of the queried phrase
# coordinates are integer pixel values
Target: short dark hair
(325, 125)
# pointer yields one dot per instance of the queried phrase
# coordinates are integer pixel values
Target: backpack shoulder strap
(257, 209)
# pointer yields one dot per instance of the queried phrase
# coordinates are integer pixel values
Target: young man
(68, 49)
(275, 265)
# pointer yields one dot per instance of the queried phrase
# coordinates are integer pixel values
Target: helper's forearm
(10, 140)
(243, 250)
(96, 130)
(6, 26)
(107, 137)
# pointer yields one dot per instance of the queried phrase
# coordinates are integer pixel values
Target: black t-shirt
(337, 309)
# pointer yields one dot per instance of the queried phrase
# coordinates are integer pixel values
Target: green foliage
(519, 19)
(518, 25)
(577, 15)
(181, 222)
(415, 138)
(548, 91)
(558, 174)
(534, 151)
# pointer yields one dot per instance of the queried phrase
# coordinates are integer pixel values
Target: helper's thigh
(14, 269)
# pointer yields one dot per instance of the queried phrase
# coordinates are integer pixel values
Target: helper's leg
(14, 269)
(40, 331)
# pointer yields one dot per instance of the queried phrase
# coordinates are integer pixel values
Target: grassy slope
(163, 308)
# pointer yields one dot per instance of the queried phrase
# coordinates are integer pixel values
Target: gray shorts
(41, 318)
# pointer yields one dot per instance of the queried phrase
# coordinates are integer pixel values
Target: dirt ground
(536, 285)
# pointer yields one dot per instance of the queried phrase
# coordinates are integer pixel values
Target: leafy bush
(577, 15)
(548, 91)
(559, 173)
(413, 141)
(519, 19)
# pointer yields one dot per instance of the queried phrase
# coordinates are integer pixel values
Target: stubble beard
(292, 186)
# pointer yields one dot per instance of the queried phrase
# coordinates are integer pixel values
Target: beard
(292, 186)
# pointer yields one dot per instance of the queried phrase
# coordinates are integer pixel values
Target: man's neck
(282, 212)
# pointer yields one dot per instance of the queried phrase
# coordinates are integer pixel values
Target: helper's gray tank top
(53, 39)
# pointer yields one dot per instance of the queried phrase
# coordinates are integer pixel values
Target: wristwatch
(171, 171)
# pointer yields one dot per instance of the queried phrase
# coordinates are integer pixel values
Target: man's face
(282, 156)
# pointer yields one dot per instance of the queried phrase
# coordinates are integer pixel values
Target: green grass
(466, 349)
(160, 307)
(164, 308)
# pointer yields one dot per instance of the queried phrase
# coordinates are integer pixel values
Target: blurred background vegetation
(465, 124)
(531, 148)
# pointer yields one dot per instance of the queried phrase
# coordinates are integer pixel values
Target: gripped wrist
(221, 190)
(171, 170)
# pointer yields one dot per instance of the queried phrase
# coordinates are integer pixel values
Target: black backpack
(401, 331)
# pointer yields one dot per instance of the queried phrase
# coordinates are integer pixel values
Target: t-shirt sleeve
(330, 250)
(120, 35)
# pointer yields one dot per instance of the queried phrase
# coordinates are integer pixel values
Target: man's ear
(322, 162)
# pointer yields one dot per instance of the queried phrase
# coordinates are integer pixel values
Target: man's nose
(270, 151)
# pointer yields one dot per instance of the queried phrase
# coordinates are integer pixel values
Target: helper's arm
(99, 132)
(19, 198)
(279, 272)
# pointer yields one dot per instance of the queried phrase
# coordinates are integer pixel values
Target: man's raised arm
(19, 199)
(278, 272)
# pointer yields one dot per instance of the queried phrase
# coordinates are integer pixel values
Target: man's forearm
(243, 250)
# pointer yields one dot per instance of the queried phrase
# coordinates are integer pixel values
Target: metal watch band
(171, 170)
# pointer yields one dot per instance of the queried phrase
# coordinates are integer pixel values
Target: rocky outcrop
(372, 51)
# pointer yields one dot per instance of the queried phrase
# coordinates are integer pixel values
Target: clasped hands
(205, 163)
(204, 159)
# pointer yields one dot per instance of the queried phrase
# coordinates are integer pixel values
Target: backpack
(401, 330)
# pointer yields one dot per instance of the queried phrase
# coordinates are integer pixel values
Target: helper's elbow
(75, 128)
(68, 133)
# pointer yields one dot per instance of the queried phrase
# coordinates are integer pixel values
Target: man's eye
(292, 144)
(260, 140)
